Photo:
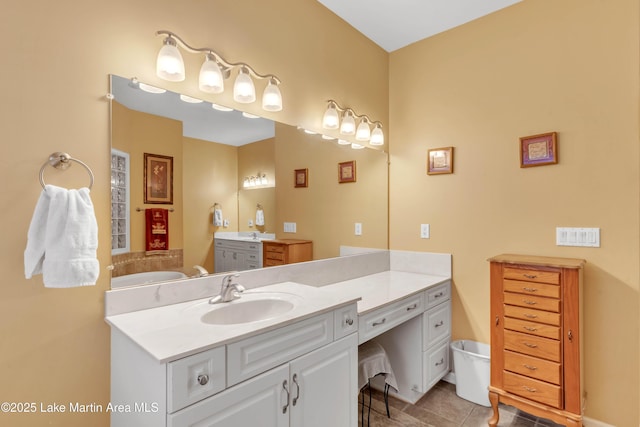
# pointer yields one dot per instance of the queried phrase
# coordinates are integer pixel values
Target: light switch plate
(289, 227)
(574, 236)
(424, 231)
(358, 229)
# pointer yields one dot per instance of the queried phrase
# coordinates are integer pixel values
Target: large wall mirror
(205, 158)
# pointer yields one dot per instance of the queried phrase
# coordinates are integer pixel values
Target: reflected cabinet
(536, 340)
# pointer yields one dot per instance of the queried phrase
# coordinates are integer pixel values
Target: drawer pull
(284, 386)
(530, 329)
(439, 294)
(295, 381)
(440, 323)
(530, 316)
(349, 321)
(384, 319)
(530, 289)
(412, 307)
(530, 345)
(530, 276)
(531, 368)
(529, 389)
(440, 362)
(203, 379)
(528, 302)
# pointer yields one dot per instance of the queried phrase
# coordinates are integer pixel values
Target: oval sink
(253, 310)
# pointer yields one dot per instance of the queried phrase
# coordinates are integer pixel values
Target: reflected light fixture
(214, 70)
(363, 133)
(347, 126)
(377, 136)
(220, 107)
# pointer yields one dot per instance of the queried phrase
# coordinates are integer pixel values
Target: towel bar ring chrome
(60, 160)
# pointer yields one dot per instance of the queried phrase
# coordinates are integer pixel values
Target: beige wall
(568, 66)
(55, 343)
(258, 157)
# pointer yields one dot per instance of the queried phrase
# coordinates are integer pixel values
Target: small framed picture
(158, 179)
(538, 150)
(347, 172)
(301, 178)
(439, 160)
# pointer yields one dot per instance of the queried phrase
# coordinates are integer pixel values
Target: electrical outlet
(250, 223)
(225, 223)
(358, 229)
(424, 231)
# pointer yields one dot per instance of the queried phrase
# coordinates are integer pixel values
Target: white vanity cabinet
(301, 374)
(237, 255)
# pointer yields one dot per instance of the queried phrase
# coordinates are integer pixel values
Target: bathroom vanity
(291, 358)
(238, 251)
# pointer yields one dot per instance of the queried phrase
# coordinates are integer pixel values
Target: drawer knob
(531, 368)
(530, 289)
(531, 316)
(530, 345)
(530, 329)
(203, 379)
(529, 302)
(439, 294)
(384, 319)
(530, 276)
(529, 389)
(349, 321)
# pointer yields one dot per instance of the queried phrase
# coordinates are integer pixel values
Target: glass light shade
(377, 136)
(357, 146)
(363, 133)
(264, 180)
(243, 89)
(343, 142)
(331, 119)
(271, 97)
(249, 115)
(328, 137)
(190, 99)
(220, 107)
(348, 126)
(211, 80)
(169, 65)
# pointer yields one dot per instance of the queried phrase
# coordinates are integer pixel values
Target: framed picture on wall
(440, 161)
(158, 179)
(538, 150)
(301, 178)
(347, 172)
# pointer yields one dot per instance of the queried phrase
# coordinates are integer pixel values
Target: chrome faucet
(229, 290)
(254, 235)
(201, 271)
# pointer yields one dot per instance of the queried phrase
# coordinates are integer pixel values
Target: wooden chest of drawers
(535, 336)
(286, 251)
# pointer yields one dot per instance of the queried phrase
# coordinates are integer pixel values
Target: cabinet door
(261, 401)
(324, 389)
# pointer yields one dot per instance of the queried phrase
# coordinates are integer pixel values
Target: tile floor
(441, 407)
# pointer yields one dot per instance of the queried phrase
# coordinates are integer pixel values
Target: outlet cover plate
(576, 236)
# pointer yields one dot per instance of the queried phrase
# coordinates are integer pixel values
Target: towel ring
(60, 160)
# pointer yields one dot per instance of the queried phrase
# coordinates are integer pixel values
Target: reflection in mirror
(232, 176)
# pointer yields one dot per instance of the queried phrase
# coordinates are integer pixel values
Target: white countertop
(175, 331)
(380, 289)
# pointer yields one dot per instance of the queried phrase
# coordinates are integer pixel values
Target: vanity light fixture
(214, 71)
(343, 142)
(328, 137)
(254, 181)
(357, 146)
(363, 132)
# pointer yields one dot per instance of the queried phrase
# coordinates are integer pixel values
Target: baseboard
(590, 422)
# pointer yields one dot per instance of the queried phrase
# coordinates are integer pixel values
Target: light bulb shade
(357, 146)
(243, 89)
(331, 120)
(343, 142)
(348, 126)
(271, 97)
(169, 65)
(363, 133)
(377, 136)
(211, 80)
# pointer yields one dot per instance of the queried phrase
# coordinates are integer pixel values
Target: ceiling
(393, 24)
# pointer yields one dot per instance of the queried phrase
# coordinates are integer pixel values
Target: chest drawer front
(437, 325)
(529, 288)
(527, 327)
(436, 364)
(533, 367)
(278, 256)
(539, 303)
(539, 391)
(273, 248)
(532, 315)
(532, 345)
(270, 262)
(194, 378)
(438, 294)
(383, 319)
(258, 354)
(539, 276)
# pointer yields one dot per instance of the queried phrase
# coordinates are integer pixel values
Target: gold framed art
(439, 161)
(158, 179)
(347, 172)
(538, 150)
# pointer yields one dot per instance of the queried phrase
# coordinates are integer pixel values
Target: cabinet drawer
(270, 262)
(273, 248)
(194, 378)
(278, 256)
(437, 294)
(345, 321)
(533, 328)
(539, 289)
(435, 364)
(540, 303)
(533, 367)
(255, 355)
(539, 276)
(383, 319)
(539, 391)
(532, 314)
(532, 345)
(437, 325)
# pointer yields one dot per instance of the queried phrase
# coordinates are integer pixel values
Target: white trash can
(472, 366)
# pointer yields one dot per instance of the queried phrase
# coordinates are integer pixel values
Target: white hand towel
(259, 217)
(217, 217)
(62, 239)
